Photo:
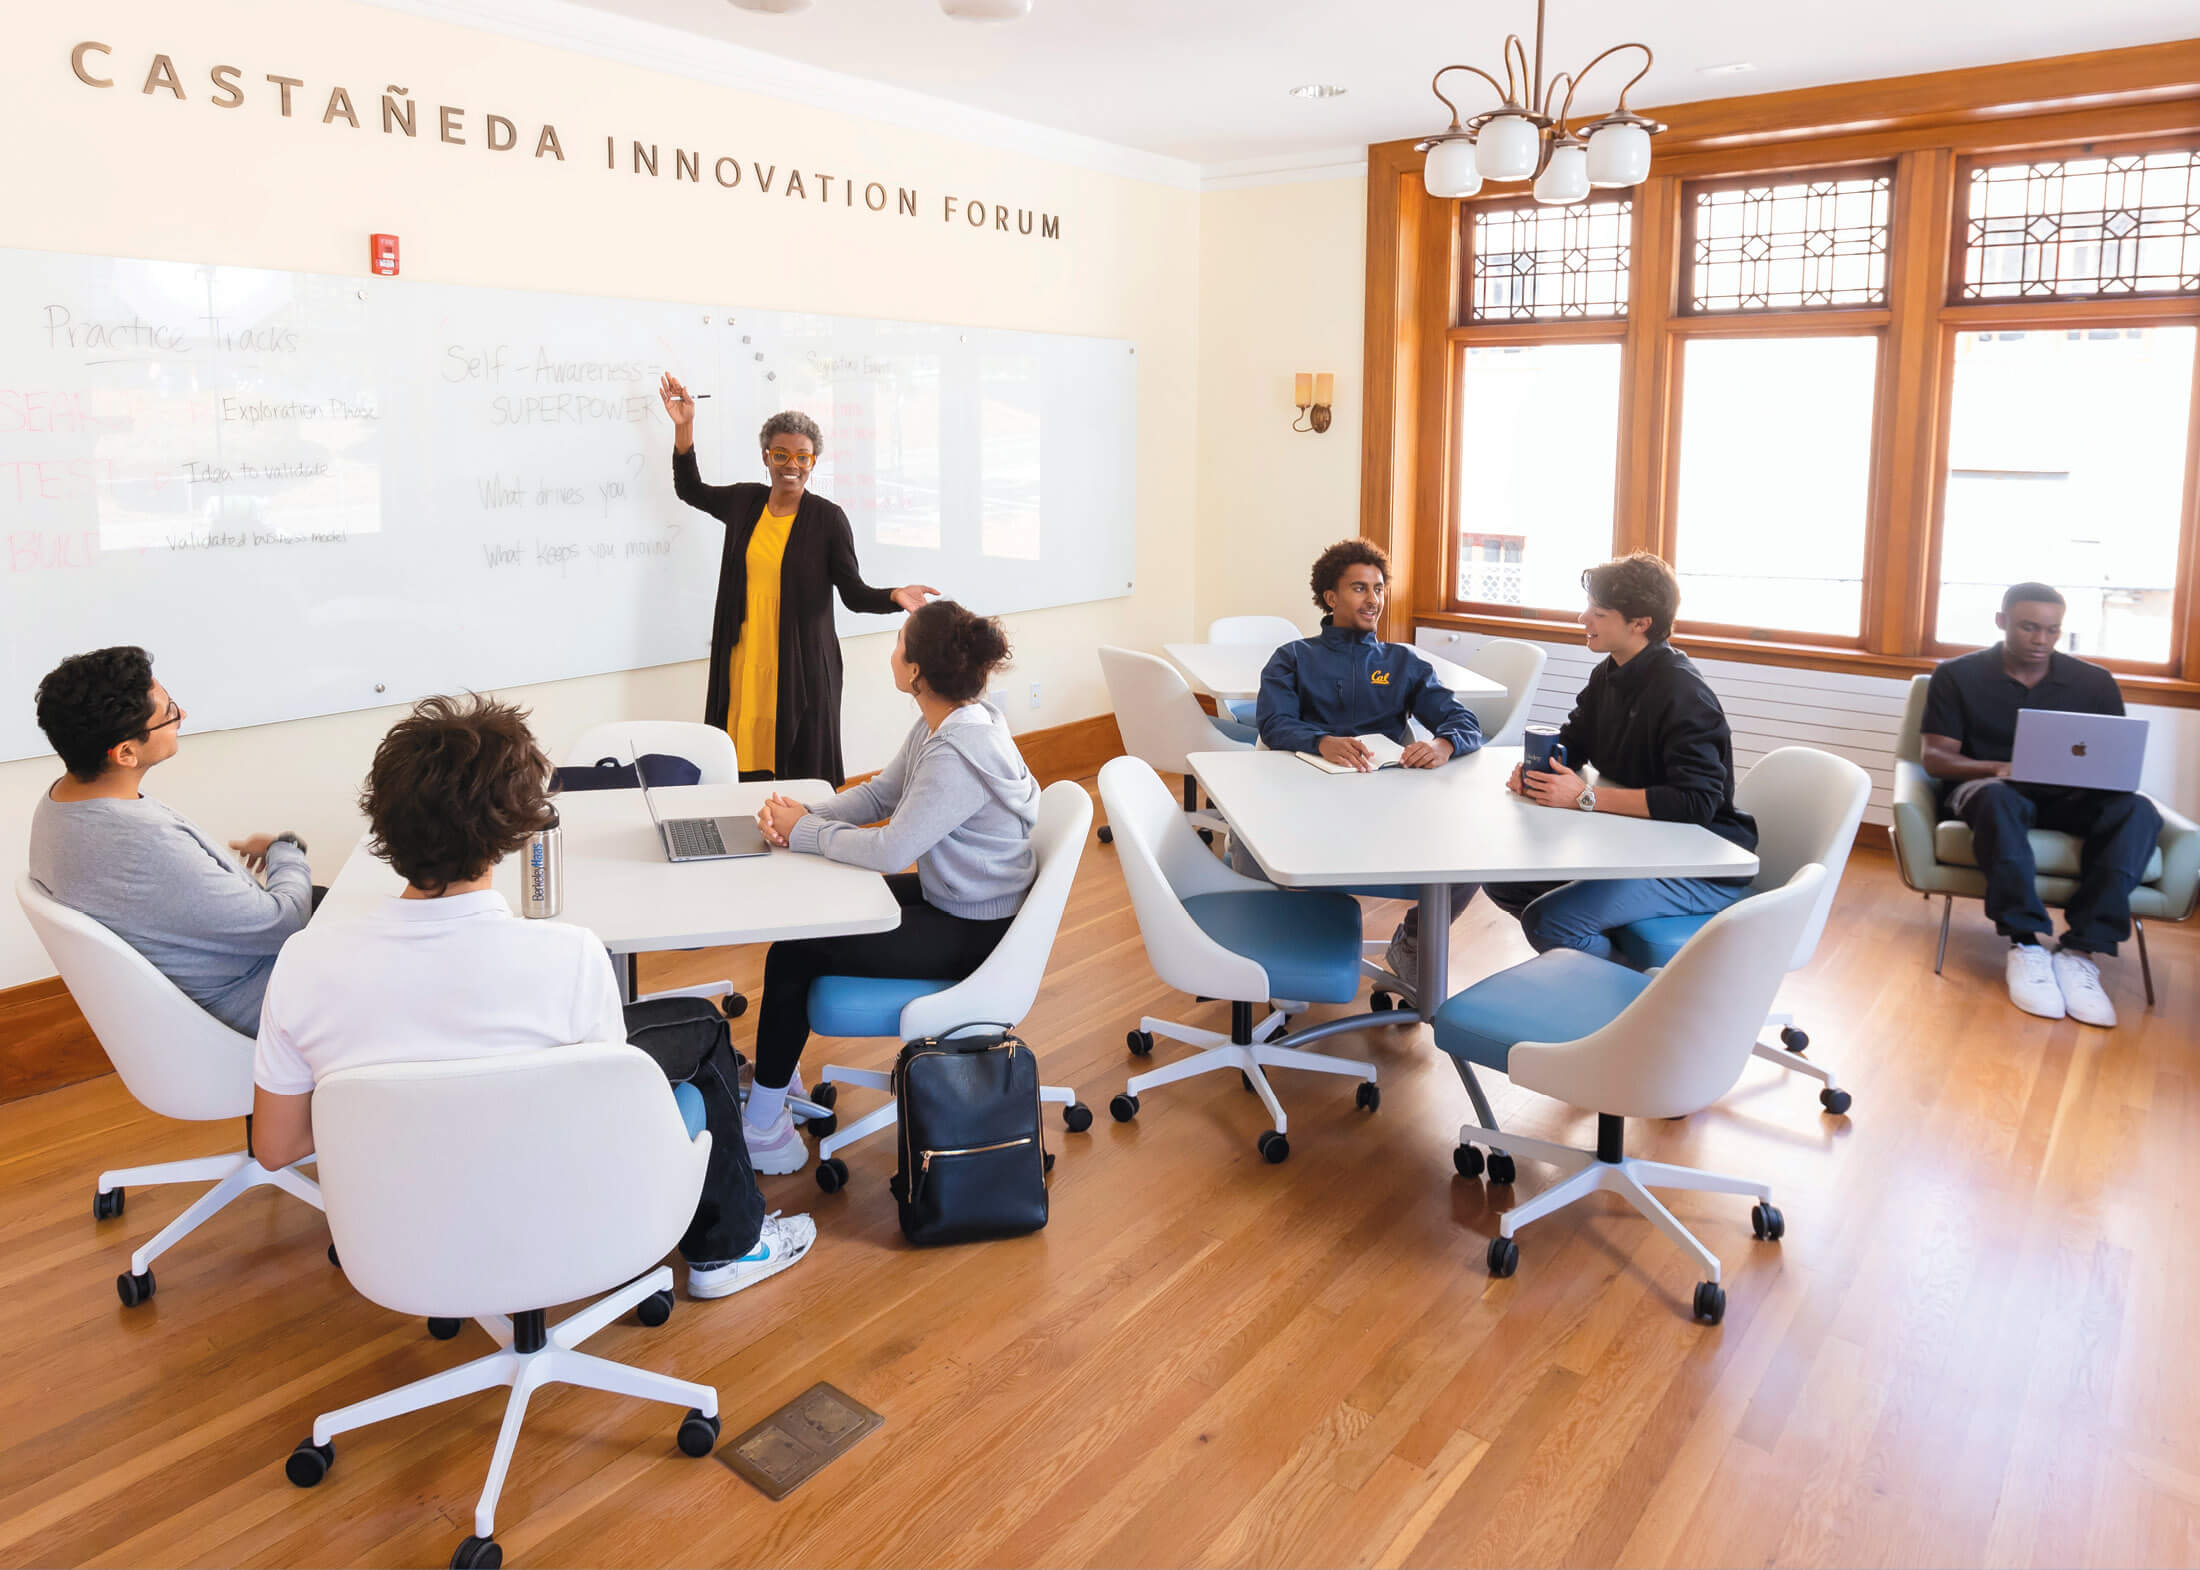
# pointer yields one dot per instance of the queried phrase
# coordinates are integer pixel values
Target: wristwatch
(1587, 800)
(293, 839)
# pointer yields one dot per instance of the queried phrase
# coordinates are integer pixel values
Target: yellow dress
(752, 717)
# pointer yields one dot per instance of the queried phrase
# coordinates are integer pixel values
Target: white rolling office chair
(1162, 724)
(999, 992)
(1217, 934)
(1628, 1045)
(489, 1187)
(1807, 805)
(1518, 667)
(175, 1058)
(1269, 632)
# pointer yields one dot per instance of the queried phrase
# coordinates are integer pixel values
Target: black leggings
(929, 945)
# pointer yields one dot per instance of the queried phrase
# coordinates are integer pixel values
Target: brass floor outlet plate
(799, 1440)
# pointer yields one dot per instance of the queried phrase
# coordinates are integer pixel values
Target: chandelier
(1523, 138)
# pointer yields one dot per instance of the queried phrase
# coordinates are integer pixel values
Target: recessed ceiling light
(1731, 68)
(987, 10)
(772, 7)
(1318, 90)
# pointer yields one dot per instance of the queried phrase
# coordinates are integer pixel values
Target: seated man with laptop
(445, 971)
(2023, 737)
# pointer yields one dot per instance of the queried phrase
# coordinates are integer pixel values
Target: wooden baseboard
(44, 1041)
(1070, 752)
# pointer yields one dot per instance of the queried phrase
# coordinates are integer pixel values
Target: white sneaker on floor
(784, 1240)
(2032, 985)
(778, 1149)
(2079, 980)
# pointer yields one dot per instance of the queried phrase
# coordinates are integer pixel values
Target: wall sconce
(1313, 396)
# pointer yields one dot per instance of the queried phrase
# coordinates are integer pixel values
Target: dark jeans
(1581, 915)
(2118, 830)
(687, 1039)
(929, 945)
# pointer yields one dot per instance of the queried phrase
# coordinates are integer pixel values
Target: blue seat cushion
(690, 1102)
(1308, 943)
(1246, 711)
(1559, 996)
(1233, 729)
(1648, 944)
(865, 1005)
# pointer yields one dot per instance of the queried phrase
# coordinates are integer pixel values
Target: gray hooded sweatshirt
(959, 803)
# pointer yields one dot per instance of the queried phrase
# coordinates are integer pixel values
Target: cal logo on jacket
(1379, 678)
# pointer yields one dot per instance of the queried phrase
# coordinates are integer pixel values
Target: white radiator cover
(1773, 706)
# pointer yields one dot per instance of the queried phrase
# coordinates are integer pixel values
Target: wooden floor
(1967, 1350)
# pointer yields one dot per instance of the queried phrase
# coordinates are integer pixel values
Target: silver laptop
(704, 839)
(2093, 751)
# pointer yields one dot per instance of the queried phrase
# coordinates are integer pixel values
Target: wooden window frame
(1684, 307)
(1933, 128)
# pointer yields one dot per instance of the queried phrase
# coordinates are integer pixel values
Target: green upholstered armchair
(1935, 856)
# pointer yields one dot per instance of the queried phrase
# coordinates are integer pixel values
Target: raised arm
(687, 473)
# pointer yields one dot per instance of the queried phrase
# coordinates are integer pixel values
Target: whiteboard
(308, 494)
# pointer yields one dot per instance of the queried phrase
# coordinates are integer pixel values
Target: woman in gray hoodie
(956, 800)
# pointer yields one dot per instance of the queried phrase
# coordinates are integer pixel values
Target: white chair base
(885, 1117)
(1252, 1059)
(1631, 1179)
(231, 1175)
(1775, 1050)
(556, 1362)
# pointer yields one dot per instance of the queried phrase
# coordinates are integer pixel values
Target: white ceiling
(1207, 81)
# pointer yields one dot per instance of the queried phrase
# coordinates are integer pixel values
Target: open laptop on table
(704, 839)
(2089, 751)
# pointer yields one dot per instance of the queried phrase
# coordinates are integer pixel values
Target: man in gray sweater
(100, 845)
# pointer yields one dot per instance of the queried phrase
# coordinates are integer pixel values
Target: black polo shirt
(1974, 702)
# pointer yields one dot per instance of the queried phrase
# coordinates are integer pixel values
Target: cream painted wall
(121, 172)
(1282, 275)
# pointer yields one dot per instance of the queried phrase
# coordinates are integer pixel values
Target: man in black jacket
(1655, 733)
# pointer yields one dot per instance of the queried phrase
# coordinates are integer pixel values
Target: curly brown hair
(1329, 566)
(456, 786)
(956, 651)
(90, 704)
(1635, 586)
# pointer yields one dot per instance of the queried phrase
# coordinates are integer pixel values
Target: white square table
(1430, 829)
(1230, 672)
(620, 887)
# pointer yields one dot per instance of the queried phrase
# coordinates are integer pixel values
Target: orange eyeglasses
(801, 460)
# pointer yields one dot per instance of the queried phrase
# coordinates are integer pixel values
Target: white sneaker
(2079, 980)
(777, 1149)
(784, 1240)
(2031, 984)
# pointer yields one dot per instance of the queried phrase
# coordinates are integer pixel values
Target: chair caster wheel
(1834, 1101)
(826, 1095)
(1368, 1095)
(1273, 1147)
(107, 1205)
(1206, 836)
(1766, 1221)
(1077, 1117)
(134, 1290)
(332, 1257)
(1381, 1002)
(1501, 1167)
(1107, 835)
(309, 1463)
(1794, 1040)
(654, 1309)
(1466, 1161)
(1123, 1108)
(445, 1329)
(478, 1553)
(1710, 1302)
(832, 1175)
(1046, 1162)
(1140, 1042)
(1504, 1257)
(824, 1127)
(698, 1434)
(733, 1005)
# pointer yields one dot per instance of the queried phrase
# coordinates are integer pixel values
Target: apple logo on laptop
(2077, 749)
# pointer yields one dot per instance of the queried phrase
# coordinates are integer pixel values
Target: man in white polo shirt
(446, 971)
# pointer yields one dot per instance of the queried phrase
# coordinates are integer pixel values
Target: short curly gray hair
(791, 422)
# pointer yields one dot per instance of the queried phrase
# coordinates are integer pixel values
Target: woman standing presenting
(774, 655)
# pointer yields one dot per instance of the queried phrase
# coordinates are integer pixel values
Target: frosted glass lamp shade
(1505, 148)
(1619, 155)
(771, 7)
(987, 10)
(1566, 177)
(1450, 172)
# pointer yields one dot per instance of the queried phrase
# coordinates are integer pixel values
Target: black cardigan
(820, 558)
(1654, 725)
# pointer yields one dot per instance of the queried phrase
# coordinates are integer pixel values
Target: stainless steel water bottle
(542, 894)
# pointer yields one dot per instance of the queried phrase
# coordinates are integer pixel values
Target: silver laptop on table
(2091, 751)
(705, 839)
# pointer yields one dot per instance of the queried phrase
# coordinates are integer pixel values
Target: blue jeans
(1583, 915)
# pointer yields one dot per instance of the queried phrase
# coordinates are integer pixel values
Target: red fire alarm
(382, 254)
